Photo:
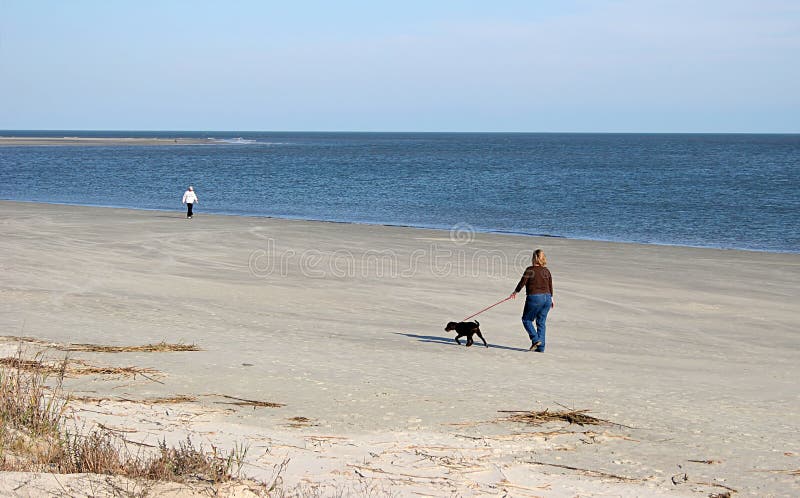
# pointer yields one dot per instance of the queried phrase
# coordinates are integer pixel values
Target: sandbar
(106, 141)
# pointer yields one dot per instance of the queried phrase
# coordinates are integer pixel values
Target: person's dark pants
(536, 308)
(188, 209)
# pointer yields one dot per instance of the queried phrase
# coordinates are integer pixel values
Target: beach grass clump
(578, 417)
(31, 411)
(100, 452)
(95, 453)
(34, 438)
(185, 463)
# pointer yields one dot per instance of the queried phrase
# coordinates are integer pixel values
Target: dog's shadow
(448, 341)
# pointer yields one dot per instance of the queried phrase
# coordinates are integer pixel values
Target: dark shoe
(535, 345)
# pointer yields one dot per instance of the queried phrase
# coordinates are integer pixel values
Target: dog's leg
(484, 340)
(457, 341)
(469, 340)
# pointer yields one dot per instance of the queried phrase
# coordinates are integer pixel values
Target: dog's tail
(477, 323)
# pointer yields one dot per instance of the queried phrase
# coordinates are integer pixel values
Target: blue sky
(435, 65)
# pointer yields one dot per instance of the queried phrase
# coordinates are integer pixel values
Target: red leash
(485, 309)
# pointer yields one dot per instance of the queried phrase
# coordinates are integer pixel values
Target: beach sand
(692, 354)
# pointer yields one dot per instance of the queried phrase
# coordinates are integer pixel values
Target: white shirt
(189, 197)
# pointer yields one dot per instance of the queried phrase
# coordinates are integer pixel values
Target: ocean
(723, 191)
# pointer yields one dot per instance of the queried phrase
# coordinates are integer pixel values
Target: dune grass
(34, 436)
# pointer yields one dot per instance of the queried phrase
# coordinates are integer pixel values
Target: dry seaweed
(85, 368)
(578, 417)
(299, 422)
(32, 340)
(89, 370)
(161, 347)
(30, 365)
(153, 401)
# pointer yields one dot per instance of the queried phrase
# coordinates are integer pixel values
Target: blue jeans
(536, 308)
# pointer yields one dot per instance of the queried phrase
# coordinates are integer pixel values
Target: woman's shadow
(448, 341)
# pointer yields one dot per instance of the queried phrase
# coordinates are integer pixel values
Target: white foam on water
(243, 141)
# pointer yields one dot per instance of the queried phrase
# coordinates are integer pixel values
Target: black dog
(466, 329)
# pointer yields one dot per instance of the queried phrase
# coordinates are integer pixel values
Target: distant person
(190, 199)
(538, 285)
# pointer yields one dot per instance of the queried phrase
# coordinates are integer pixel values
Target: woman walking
(189, 198)
(538, 285)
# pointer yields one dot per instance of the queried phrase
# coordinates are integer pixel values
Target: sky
(693, 66)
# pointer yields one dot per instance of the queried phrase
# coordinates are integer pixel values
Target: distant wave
(237, 140)
(243, 141)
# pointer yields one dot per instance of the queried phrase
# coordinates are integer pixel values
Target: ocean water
(724, 191)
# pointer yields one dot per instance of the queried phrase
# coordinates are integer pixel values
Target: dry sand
(693, 352)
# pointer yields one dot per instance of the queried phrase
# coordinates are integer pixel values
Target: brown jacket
(536, 280)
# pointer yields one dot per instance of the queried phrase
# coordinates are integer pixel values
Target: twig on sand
(246, 402)
(506, 484)
(524, 435)
(717, 485)
(443, 448)
(381, 471)
(178, 398)
(791, 472)
(115, 430)
(588, 472)
(465, 436)
(467, 424)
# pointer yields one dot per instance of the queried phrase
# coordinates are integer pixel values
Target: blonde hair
(539, 259)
